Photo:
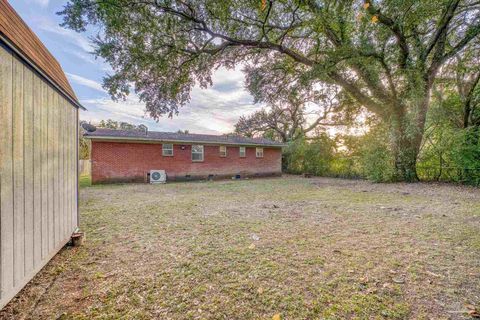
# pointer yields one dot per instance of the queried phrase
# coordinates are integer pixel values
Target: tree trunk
(406, 138)
(405, 151)
(408, 128)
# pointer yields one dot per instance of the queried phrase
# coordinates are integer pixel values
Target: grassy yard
(84, 181)
(289, 248)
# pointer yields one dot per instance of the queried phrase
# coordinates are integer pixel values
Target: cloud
(130, 108)
(214, 110)
(75, 43)
(85, 82)
(42, 3)
(67, 35)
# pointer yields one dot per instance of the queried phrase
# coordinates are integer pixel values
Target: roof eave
(129, 139)
(30, 63)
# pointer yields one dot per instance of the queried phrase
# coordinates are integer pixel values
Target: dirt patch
(301, 248)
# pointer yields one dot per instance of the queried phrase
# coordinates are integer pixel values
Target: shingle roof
(16, 31)
(136, 135)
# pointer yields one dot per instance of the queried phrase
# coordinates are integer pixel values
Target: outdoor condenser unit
(158, 176)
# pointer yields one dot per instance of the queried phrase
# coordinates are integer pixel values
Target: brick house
(128, 156)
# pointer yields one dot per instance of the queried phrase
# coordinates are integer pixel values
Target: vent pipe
(144, 128)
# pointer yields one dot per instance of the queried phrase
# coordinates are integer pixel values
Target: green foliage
(310, 156)
(467, 156)
(345, 167)
(85, 181)
(119, 125)
(376, 159)
(452, 155)
(450, 152)
(366, 156)
(385, 55)
(83, 144)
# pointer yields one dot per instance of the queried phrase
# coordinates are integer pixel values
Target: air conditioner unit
(158, 176)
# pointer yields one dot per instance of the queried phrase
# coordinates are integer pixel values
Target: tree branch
(396, 30)
(442, 27)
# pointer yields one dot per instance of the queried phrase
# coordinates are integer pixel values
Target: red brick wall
(120, 161)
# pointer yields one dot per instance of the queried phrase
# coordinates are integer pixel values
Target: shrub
(313, 156)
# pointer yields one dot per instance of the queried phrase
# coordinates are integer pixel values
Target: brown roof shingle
(19, 34)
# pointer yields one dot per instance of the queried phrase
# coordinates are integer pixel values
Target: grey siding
(38, 166)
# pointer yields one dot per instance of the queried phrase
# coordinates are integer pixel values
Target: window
(223, 151)
(167, 149)
(197, 152)
(259, 152)
(242, 152)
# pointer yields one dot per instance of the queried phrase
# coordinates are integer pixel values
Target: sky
(212, 111)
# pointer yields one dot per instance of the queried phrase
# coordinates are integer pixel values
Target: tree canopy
(385, 55)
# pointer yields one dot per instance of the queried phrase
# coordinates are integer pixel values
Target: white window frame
(167, 154)
(259, 152)
(198, 152)
(223, 151)
(242, 154)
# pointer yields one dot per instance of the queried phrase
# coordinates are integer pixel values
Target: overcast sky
(213, 110)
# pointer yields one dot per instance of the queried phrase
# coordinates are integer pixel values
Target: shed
(38, 155)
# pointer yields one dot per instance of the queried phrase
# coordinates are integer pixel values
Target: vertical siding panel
(44, 108)
(68, 169)
(71, 172)
(6, 177)
(74, 171)
(62, 190)
(28, 163)
(68, 212)
(51, 175)
(18, 174)
(75, 167)
(56, 189)
(38, 171)
(66, 134)
(37, 168)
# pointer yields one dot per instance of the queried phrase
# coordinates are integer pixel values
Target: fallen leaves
(277, 317)
(434, 274)
(473, 311)
(263, 4)
(398, 280)
(175, 254)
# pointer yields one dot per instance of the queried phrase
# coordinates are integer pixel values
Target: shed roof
(23, 39)
(137, 135)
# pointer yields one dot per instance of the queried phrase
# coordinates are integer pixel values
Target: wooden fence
(84, 167)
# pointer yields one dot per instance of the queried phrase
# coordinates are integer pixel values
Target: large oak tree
(385, 54)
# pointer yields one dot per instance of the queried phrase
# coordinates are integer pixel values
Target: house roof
(156, 136)
(21, 39)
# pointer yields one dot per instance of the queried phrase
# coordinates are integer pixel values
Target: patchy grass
(84, 181)
(302, 248)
